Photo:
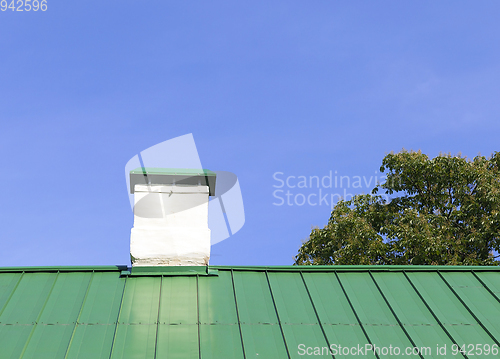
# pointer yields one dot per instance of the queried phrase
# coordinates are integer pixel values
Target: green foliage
(442, 211)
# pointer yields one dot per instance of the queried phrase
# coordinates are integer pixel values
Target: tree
(440, 211)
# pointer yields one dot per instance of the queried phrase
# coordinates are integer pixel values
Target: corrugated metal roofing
(247, 312)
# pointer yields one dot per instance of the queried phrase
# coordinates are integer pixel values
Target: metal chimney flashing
(169, 271)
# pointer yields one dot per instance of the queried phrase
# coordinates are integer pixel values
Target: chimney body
(170, 217)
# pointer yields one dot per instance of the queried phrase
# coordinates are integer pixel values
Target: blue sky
(297, 87)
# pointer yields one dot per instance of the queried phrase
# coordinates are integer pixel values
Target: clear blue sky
(298, 87)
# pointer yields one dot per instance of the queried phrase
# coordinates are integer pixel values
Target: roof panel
(379, 323)
(448, 309)
(8, 283)
(216, 299)
(48, 342)
(91, 341)
(441, 299)
(429, 337)
(27, 301)
(264, 341)
(290, 285)
(477, 298)
(220, 341)
(385, 336)
(491, 281)
(134, 341)
(103, 299)
(255, 304)
(141, 300)
(403, 299)
(66, 298)
(308, 335)
(469, 334)
(421, 326)
(13, 338)
(366, 299)
(325, 289)
(178, 301)
(350, 336)
(178, 341)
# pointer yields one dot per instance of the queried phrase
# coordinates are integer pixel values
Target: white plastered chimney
(170, 216)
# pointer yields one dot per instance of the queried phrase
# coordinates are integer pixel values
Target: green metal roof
(244, 312)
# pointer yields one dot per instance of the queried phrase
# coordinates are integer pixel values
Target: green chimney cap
(152, 175)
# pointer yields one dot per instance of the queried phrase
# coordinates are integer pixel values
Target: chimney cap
(186, 176)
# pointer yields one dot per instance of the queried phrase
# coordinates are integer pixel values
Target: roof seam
(158, 316)
(11, 294)
(238, 315)
(277, 315)
(355, 314)
(394, 313)
(118, 319)
(79, 314)
(432, 312)
(485, 286)
(316, 312)
(38, 318)
(198, 314)
(468, 309)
